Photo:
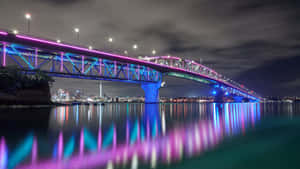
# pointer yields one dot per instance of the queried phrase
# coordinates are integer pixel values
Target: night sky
(255, 42)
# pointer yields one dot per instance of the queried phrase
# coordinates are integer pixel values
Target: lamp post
(28, 18)
(153, 52)
(76, 30)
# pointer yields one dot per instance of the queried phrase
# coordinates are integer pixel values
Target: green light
(186, 76)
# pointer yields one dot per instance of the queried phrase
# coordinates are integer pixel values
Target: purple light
(115, 138)
(3, 33)
(99, 139)
(34, 150)
(60, 145)
(81, 144)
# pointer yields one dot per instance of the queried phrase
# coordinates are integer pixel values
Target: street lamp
(76, 30)
(28, 18)
(135, 46)
(153, 52)
(58, 41)
(15, 31)
(125, 52)
(90, 47)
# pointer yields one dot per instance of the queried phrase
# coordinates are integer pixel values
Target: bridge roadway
(31, 53)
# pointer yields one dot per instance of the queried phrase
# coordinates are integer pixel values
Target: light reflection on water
(130, 135)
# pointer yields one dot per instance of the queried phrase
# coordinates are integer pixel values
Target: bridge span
(32, 54)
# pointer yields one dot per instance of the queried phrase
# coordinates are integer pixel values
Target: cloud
(232, 36)
(279, 76)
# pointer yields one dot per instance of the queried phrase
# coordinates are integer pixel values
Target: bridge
(143, 139)
(32, 54)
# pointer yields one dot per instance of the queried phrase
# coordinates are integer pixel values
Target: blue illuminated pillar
(238, 99)
(151, 92)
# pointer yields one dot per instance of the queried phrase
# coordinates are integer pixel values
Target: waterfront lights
(58, 41)
(135, 46)
(153, 52)
(90, 47)
(15, 31)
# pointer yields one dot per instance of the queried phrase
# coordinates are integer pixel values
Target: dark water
(189, 135)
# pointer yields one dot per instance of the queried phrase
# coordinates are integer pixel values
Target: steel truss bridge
(31, 54)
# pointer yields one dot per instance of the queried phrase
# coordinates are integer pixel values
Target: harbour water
(168, 135)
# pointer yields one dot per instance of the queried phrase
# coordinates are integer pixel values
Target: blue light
(214, 92)
(226, 93)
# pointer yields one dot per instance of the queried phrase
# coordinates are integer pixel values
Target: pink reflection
(99, 139)
(34, 150)
(81, 144)
(3, 33)
(3, 153)
(60, 145)
(192, 139)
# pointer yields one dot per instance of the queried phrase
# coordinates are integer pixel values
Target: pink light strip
(177, 139)
(99, 139)
(3, 153)
(115, 139)
(3, 33)
(121, 57)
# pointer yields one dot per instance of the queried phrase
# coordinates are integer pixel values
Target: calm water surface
(182, 135)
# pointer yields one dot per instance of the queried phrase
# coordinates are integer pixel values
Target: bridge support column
(151, 92)
(238, 99)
